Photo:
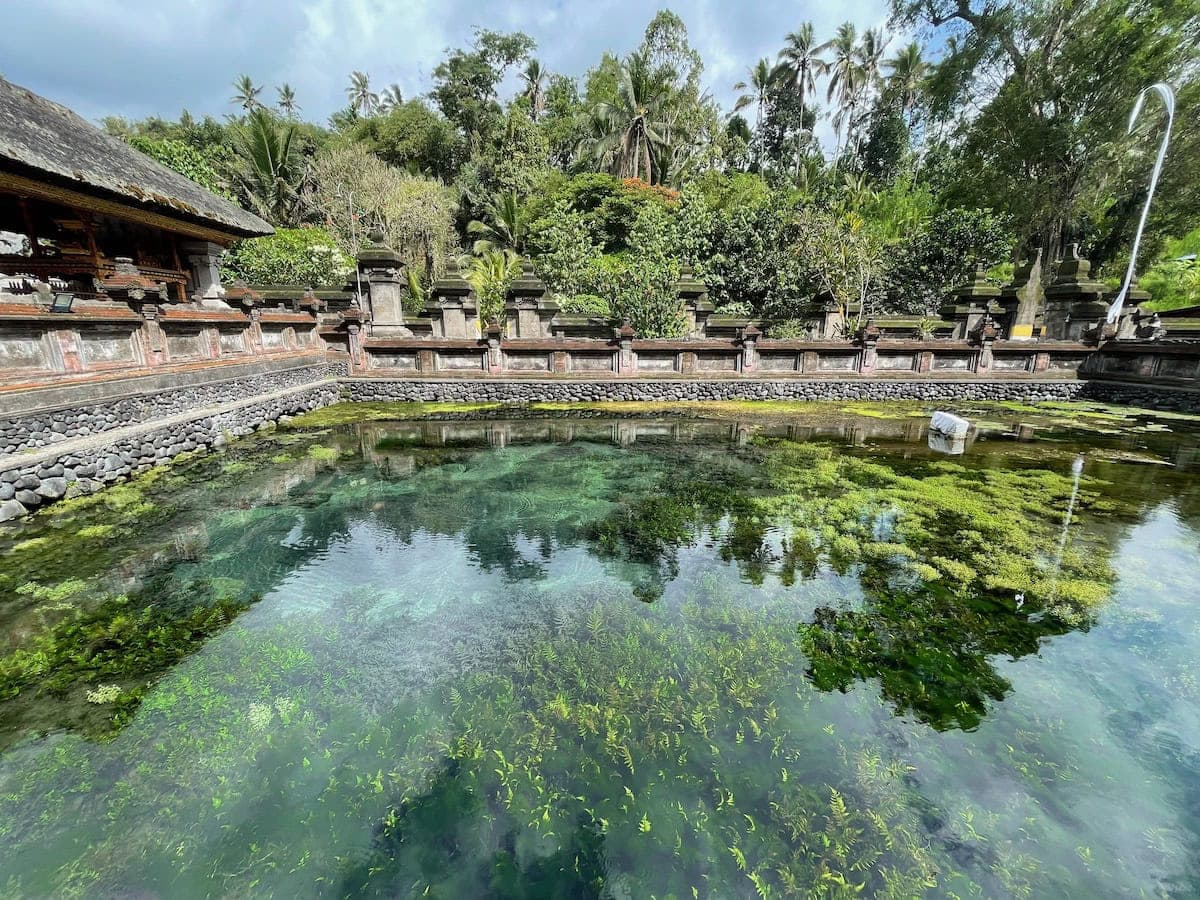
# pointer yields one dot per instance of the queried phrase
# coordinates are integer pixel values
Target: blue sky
(152, 57)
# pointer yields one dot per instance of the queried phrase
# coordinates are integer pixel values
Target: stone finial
(452, 283)
(688, 286)
(1072, 278)
(527, 286)
(376, 254)
(241, 293)
(978, 289)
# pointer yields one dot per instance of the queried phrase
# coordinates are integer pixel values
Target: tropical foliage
(996, 130)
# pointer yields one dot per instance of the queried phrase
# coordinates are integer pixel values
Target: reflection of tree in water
(431, 838)
(939, 550)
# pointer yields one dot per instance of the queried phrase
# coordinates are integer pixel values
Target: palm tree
(490, 275)
(534, 77)
(287, 100)
(505, 227)
(634, 124)
(803, 63)
(246, 93)
(362, 99)
(763, 77)
(907, 72)
(869, 55)
(391, 98)
(846, 79)
(271, 171)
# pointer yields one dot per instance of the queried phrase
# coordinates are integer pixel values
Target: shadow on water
(435, 838)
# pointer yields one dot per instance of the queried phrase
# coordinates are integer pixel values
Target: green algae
(119, 642)
(716, 740)
(349, 413)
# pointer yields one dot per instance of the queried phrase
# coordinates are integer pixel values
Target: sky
(136, 58)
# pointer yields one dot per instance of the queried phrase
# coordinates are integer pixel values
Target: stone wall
(431, 390)
(86, 465)
(56, 421)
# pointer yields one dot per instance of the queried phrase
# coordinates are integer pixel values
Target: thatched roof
(45, 141)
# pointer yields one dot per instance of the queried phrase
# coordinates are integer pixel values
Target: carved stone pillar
(693, 297)
(495, 361)
(971, 303)
(529, 310)
(625, 362)
(381, 270)
(254, 332)
(204, 259)
(453, 307)
(869, 338)
(1073, 305)
(984, 336)
(833, 319)
(750, 349)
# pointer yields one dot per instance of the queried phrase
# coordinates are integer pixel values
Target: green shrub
(306, 256)
(585, 305)
(923, 269)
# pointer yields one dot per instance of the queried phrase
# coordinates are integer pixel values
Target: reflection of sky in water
(398, 588)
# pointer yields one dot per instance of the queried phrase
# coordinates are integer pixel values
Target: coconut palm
(907, 72)
(534, 78)
(246, 93)
(634, 124)
(803, 63)
(287, 100)
(362, 99)
(390, 98)
(272, 168)
(870, 55)
(846, 80)
(503, 227)
(763, 77)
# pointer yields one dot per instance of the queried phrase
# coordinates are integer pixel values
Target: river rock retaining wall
(42, 427)
(85, 465)
(433, 390)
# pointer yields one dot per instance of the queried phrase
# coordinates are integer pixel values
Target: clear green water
(619, 658)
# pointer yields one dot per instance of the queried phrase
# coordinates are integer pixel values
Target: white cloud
(150, 57)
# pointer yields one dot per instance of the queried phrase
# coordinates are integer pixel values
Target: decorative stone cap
(1072, 278)
(452, 283)
(527, 284)
(375, 253)
(977, 289)
(751, 333)
(870, 332)
(1137, 295)
(689, 287)
(986, 330)
(625, 330)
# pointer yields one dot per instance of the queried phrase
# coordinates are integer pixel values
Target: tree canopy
(996, 128)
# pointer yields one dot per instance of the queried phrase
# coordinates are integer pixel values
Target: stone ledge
(86, 465)
(50, 397)
(858, 389)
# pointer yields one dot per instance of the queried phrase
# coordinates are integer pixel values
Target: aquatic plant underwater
(591, 657)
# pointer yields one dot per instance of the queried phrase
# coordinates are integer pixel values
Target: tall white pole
(1168, 98)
